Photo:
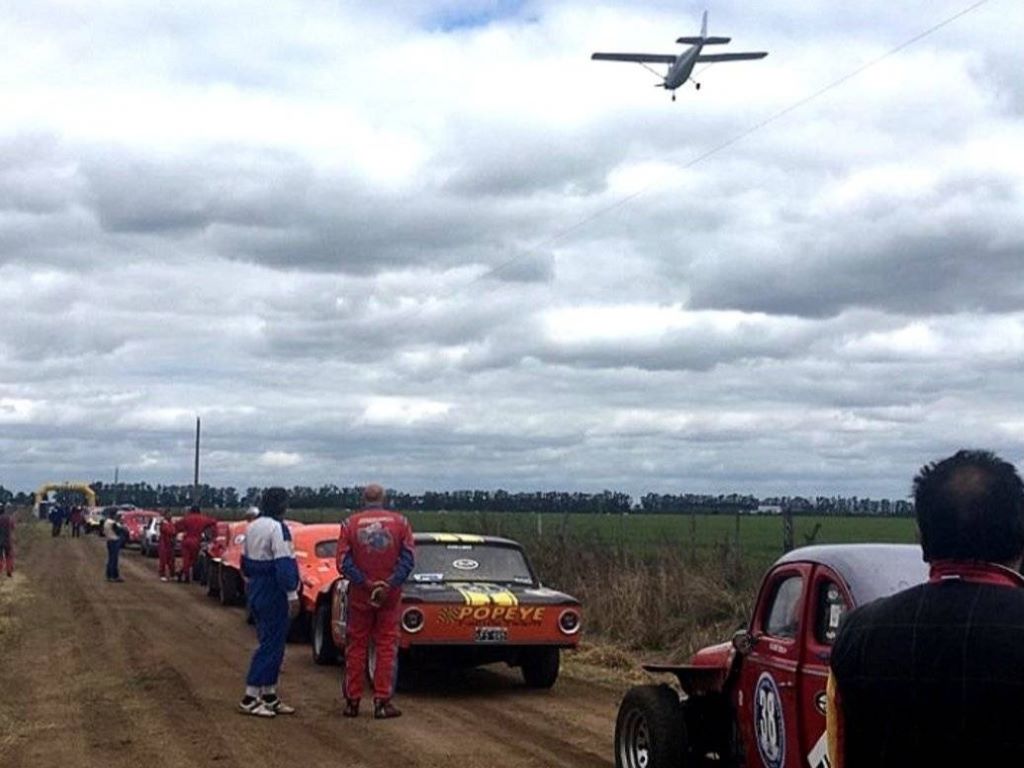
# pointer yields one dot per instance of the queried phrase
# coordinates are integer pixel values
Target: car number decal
(769, 723)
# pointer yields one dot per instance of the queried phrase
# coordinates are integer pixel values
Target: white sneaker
(277, 706)
(255, 707)
(163, 578)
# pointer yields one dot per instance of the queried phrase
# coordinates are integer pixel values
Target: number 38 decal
(769, 727)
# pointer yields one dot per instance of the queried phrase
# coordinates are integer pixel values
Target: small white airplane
(681, 67)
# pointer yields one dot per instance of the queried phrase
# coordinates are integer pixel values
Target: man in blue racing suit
(268, 562)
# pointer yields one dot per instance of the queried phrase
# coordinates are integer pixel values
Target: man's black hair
(274, 502)
(970, 506)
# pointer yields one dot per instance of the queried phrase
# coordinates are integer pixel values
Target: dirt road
(145, 674)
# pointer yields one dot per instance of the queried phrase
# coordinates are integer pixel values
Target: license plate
(491, 635)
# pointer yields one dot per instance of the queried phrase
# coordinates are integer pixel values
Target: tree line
(559, 502)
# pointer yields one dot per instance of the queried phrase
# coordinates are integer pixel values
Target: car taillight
(412, 620)
(569, 622)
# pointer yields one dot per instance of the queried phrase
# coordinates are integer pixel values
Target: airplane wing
(703, 40)
(654, 58)
(731, 56)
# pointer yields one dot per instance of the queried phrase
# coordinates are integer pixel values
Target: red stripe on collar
(975, 572)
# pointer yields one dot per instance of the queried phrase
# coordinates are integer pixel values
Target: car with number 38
(760, 701)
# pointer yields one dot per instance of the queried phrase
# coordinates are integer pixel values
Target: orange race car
(470, 600)
(224, 578)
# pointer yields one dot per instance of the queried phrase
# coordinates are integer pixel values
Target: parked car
(224, 572)
(150, 540)
(760, 699)
(471, 600)
(135, 522)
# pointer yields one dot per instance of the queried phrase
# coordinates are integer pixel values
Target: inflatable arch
(82, 488)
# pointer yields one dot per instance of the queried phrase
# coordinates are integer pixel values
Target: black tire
(649, 729)
(229, 592)
(213, 580)
(540, 667)
(325, 652)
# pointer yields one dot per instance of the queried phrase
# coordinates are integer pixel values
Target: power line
(623, 201)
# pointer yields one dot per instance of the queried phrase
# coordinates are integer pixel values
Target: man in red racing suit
(165, 546)
(376, 554)
(192, 524)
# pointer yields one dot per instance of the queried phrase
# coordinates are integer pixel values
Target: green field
(760, 537)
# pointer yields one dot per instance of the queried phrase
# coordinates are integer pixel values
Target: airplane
(681, 67)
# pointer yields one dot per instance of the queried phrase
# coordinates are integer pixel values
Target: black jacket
(934, 676)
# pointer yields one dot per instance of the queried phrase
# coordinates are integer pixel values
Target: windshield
(471, 562)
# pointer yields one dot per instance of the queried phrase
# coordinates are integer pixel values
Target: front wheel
(649, 729)
(324, 650)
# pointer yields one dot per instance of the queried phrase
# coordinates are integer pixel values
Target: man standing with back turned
(269, 563)
(192, 525)
(376, 554)
(933, 676)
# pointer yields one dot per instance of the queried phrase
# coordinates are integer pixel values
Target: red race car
(470, 600)
(135, 522)
(760, 700)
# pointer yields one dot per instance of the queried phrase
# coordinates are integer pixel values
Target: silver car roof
(870, 571)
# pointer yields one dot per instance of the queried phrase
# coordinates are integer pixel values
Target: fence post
(787, 529)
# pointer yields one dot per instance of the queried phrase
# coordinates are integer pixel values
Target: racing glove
(378, 593)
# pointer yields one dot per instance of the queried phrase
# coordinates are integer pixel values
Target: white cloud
(280, 459)
(290, 233)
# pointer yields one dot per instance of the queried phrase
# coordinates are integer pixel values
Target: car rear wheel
(324, 650)
(213, 580)
(540, 667)
(649, 729)
(229, 592)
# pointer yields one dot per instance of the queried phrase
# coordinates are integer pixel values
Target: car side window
(783, 618)
(830, 606)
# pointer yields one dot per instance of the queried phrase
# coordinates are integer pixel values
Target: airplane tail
(704, 25)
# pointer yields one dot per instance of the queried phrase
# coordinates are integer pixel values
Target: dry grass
(664, 601)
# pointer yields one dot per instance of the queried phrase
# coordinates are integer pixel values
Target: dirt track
(145, 674)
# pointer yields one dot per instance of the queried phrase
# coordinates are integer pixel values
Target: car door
(767, 700)
(829, 601)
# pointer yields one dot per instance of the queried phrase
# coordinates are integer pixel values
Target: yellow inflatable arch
(82, 488)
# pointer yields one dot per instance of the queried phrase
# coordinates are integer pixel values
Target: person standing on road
(168, 534)
(932, 676)
(192, 525)
(115, 534)
(56, 517)
(376, 554)
(6, 540)
(268, 562)
(77, 518)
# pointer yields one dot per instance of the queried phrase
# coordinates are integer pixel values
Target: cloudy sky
(433, 244)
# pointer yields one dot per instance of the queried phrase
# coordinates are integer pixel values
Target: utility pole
(116, 470)
(195, 476)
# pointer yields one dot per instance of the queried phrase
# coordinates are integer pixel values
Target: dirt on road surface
(147, 674)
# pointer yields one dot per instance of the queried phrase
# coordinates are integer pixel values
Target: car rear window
(471, 562)
(327, 548)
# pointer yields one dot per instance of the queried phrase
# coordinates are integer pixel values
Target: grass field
(760, 537)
